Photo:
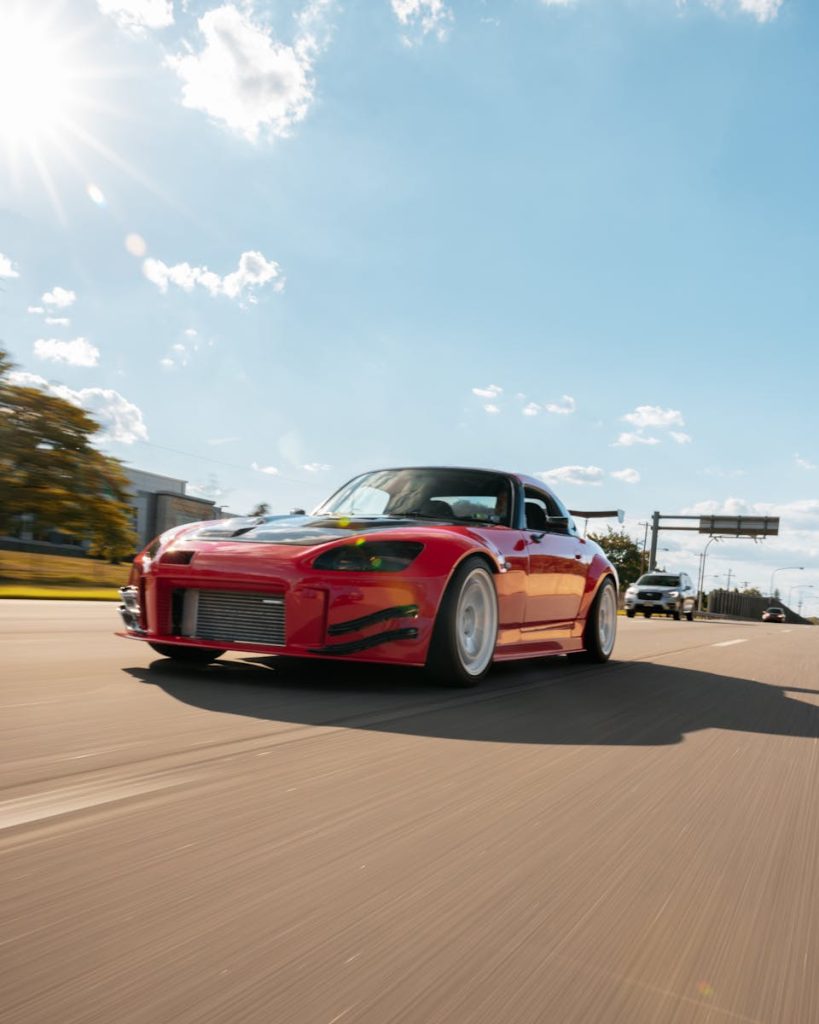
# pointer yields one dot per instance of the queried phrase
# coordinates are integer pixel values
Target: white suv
(662, 592)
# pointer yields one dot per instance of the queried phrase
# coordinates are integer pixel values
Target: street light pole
(701, 583)
(799, 586)
(783, 568)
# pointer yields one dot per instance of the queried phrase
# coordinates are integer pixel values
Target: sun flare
(35, 82)
(50, 91)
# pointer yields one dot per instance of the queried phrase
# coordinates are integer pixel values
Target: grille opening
(177, 611)
(235, 616)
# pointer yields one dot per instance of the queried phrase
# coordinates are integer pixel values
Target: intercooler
(234, 617)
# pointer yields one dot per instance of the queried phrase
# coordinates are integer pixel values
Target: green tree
(624, 554)
(262, 509)
(53, 476)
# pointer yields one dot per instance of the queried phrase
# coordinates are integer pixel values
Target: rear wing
(616, 513)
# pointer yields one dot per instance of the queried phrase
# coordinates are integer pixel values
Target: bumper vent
(235, 617)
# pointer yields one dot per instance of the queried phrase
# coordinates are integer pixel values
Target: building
(160, 503)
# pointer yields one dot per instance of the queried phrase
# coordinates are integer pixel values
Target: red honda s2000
(444, 568)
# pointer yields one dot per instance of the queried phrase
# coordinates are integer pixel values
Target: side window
(538, 508)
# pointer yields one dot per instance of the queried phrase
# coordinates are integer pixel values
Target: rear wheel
(601, 625)
(689, 616)
(191, 655)
(466, 629)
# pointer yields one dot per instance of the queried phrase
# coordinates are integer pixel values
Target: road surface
(635, 843)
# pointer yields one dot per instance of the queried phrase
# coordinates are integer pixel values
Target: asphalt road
(251, 844)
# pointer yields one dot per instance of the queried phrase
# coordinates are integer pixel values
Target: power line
(230, 465)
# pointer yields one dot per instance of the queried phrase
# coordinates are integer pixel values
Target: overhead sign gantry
(756, 527)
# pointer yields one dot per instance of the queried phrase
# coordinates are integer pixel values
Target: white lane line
(728, 643)
(23, 810)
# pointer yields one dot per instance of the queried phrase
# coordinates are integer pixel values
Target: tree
(52, 476)
(262, 509)
(622, 552)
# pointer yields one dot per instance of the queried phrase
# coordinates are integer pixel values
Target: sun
(36, 81)
(48, 90)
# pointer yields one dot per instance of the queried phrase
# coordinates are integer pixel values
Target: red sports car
(448, 569)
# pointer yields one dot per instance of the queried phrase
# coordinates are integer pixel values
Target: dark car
(773, 615)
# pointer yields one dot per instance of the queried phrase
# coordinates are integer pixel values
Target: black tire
(630, 613)
(448, 658)
(191, 655)
(597, 647)
(647, 615)
(675, 616)
(689, 616)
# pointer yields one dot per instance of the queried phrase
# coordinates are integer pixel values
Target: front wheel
(647, 615)
(630, 613)
(689, 616)
(675, 616)
(191, 655)
(601, 625)
(466, 629)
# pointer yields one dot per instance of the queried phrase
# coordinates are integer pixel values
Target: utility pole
(728, 584)
(655, 531)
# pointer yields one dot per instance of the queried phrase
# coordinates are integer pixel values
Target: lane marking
(27, 809)
(729, 643)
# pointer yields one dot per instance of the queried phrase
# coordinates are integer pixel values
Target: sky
(272, 245)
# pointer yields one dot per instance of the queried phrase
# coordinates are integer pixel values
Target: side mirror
(557, 523)
(297, 512)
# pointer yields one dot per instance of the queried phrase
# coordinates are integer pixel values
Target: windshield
(659, 581)
(443, 494)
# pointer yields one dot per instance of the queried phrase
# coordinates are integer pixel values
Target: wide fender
(600, 570)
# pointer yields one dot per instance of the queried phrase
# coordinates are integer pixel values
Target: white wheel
(466, 628)
(476, 622)
(601, 625)
(607, 621)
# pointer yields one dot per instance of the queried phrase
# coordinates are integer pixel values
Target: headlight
(673, 593)
(363, 556)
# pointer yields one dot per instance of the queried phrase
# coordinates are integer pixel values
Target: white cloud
(629, 476)
(222, 440)
(423, 17)
(60, 297)
(35, 309)
(78, 352)
(7, 268)
(190, 332)
(246, 78)
(531, 409)
(580, 475)
(680, 437)
(254, 270)
(558, 3)
(270, 470)
(654, 416)
(489, 392)
(627, 440)
(803, 463)
(120, 419)
(58, 321)
(566, 406)
(316, 467)
(490, 408)
(138, 14)
(762, 10)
